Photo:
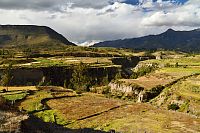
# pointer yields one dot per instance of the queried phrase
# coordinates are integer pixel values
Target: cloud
(54, 5)
(185, 15)
(94, 20)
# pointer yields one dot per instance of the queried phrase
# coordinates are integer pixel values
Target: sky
(89, 21)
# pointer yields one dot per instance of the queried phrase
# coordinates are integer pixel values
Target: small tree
(7, 76)
(80, 81)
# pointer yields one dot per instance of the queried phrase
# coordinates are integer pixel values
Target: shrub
(134, 75)
(176, 65)
(106, 90)
(80, 80)
(173, 107)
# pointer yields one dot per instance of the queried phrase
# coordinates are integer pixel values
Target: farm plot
(161, 77)
(140, 118)
(184, 94)
(84, 106)
(184, 61)
(33, 102)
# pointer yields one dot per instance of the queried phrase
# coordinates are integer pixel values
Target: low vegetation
(33, 102)
(171, 85)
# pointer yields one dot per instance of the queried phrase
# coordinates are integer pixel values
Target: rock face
(134, 91)
(57, 75)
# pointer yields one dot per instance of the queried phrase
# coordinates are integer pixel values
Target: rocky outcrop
(134, 91)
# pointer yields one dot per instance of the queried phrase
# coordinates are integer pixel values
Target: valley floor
(95, 113)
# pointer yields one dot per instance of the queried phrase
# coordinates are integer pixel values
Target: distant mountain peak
(169, 40)
(170, 30)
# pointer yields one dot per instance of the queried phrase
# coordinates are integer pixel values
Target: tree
(80, 81)
(7, 76)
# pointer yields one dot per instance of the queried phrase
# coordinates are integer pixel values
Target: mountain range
(30, 35)
(169, 40)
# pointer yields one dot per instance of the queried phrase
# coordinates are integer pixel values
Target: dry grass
(140, 118)
(128, 118)
(154, 79)
(19, 88)
(80, 107)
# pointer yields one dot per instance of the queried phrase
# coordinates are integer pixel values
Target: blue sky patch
(136, 2)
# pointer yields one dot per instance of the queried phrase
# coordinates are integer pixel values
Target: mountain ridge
(169, 40)
(14, 35)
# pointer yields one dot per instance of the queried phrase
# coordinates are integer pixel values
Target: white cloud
(185, 15)
(54, 5)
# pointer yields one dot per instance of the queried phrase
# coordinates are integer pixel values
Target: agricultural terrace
(184, 94)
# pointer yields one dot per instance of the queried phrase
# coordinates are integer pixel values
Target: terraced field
(180, 87)
(78, 108)
(97, 112)
(100, 113)
(16, 93)
(140, 118)
(185, 94)
(162, 76)
(183, 61)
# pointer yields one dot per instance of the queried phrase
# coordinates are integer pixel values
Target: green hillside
(30, 36)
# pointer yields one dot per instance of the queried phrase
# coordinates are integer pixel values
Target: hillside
(170, 40)
(30, 35)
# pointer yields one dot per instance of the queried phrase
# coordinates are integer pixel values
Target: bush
(106, 90)
(173, 107)
(134, 76)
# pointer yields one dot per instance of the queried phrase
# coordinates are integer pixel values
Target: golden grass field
(132, 117)
(20, 88)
